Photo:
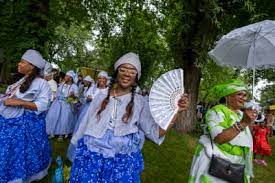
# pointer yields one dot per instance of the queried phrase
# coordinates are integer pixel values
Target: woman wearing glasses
(109, 142)
(229, 135)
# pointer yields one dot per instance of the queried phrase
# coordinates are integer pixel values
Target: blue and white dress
(93, 92)
(109, 150)
(61, 117)
(25, 153)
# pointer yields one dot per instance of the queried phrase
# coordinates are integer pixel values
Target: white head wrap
(35, 58)
(73, 75)
(48, 69)
(103, 74)
(89, 79)
(130, 58)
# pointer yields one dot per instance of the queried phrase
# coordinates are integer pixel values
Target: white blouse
(39, 92)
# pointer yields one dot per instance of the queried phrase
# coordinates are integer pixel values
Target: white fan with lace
(164, 96)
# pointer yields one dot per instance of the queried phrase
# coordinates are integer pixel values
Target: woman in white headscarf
(87, 98)
(111, 135)
(24, 147)
(101, 85)
(61, 116)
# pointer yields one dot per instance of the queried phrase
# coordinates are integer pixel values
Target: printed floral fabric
(25, 151)
(93, 167)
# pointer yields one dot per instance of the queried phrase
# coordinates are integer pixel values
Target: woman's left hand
(13, 102)
(183, 102)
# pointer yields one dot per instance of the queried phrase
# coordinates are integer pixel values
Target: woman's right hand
(249, 115)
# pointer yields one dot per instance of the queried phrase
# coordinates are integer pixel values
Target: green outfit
(238, 150)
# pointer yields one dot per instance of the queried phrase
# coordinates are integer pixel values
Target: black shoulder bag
(223, 169)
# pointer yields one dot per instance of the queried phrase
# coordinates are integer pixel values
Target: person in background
(61, 116)
(25, 152)
(269, 120)
(99, 88)
(261, 144)
(101, 84)
(53, 85)
(80, 84)
(61, 77)
(88, 97)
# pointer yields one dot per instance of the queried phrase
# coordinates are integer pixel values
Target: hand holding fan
(164, 96)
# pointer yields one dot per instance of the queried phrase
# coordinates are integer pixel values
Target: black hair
(130, 105)
(25, 86)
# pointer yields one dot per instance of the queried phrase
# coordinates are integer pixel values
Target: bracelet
(240, 126)
(235, 126)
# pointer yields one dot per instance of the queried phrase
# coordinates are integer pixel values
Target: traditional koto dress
(61, 117)
(108, 149)
(238, 150)
(24, 147)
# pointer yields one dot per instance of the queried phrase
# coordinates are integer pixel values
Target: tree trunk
(192, 76)
(189, 48)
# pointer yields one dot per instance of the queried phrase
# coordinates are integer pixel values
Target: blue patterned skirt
(25, 152)
(93, 167)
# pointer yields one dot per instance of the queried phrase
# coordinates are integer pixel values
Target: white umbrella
(249, 46)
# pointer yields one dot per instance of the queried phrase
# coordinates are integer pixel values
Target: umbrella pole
(253, 84)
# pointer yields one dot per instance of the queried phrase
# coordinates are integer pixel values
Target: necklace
(12, 89)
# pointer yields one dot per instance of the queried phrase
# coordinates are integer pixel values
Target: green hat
(225, 89)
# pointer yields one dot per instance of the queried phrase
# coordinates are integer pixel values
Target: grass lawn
(170, 162)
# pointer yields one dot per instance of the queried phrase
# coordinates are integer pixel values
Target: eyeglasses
(131, 72)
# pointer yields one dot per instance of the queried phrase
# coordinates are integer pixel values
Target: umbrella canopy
(251, 46)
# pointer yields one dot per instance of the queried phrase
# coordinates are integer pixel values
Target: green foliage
(165, 34)
(23, 25)
(268, 95)
(214, 74)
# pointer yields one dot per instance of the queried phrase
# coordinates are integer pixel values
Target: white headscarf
(89, 79)
(35, 58)
(48, 69)
(73, 75)
(129, 58)
(103, 74)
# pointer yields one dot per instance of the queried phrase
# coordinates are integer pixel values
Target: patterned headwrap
(225, 89)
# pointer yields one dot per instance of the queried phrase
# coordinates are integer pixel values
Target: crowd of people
(108, 120)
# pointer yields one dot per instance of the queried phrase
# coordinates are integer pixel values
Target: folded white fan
(164, 96)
